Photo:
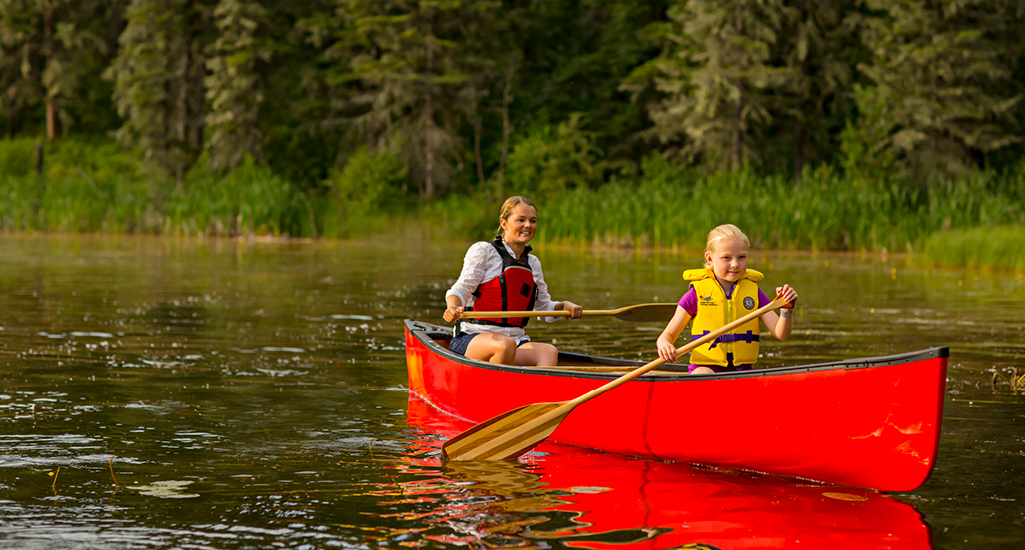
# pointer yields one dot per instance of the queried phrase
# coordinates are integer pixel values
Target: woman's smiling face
(519, 227)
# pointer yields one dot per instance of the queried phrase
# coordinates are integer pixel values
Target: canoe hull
(871, 423)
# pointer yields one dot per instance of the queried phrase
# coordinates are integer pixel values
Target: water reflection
(586, 499)
(272, 377)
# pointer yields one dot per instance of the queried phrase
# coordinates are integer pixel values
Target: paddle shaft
(552, 313)
(640, 312)
(537, 429)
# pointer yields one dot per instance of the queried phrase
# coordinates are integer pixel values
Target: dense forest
(331, 112)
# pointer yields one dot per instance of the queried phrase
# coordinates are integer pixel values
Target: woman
(502, 275)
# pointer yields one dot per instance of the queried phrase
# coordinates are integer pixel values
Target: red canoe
(872, 422)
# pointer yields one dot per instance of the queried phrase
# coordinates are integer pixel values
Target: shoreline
(412, 229)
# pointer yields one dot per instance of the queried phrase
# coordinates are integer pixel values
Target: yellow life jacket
(716, 311)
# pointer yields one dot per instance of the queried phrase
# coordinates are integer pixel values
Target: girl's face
(729, 261)
(519, 227)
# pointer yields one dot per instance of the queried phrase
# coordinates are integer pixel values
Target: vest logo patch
(525, 290)
(708, 301)
(749, 302)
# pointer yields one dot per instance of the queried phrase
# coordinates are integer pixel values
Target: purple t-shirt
(689, 303)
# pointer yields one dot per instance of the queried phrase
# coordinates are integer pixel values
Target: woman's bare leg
(537, 354)
(493, 348)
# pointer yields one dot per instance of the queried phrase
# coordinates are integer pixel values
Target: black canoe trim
(427, 334)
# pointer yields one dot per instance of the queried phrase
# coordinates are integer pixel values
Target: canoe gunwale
(426, 332)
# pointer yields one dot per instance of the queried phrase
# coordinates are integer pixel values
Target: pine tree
(50, 50)
(719, 80)
(414, 60)
(19, 59)
(815, 47)
(158, 81)
(580, 60)
(941, 82)
(234, 88)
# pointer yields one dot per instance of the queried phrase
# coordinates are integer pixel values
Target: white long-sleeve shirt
(481, 264)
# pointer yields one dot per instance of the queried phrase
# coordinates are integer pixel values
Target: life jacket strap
(747, 337)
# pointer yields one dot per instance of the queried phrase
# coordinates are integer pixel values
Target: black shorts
(459, 343)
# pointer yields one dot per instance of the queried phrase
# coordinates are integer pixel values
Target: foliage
(549, 161)
(719, 80)
(86, 186)
(248, 200)
(233, 83)
(840, 124)
(157, 79)
(998, 247)
(671, 206)
(941, 83)
(370, 184)
(51, 55)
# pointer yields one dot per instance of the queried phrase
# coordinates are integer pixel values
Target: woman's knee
(502, 349)
(543, 355)
(493, 348)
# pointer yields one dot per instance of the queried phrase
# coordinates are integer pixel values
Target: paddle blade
(647, 312)
(507, 435)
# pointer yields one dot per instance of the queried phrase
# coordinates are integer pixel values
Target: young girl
(724, 291)
(502, 275)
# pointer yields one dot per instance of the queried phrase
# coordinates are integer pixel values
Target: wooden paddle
(511, 434)
(639, 313)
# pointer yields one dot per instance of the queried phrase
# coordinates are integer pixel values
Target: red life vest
(513, 290)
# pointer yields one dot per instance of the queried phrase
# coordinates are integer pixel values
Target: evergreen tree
(815, 46)
(300, 138)
(581, 59)
(51, 50)
(413, 60)
(19, 60)
(158, 81)
(720, 83)
(234, 88)
(941, 88)
(330, 106)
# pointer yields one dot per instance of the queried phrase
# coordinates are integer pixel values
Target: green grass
(670, 206)
(86, 186)
(93, 185)
(998, 247)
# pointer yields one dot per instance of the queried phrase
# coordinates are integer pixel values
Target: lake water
(163, 393)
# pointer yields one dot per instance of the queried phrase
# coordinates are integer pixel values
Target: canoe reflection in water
(588, 499)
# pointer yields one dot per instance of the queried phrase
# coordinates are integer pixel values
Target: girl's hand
(788, 294)
(453, 313)
(667, 352)
(574, 310)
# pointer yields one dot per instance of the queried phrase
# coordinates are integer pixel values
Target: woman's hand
(788, 294)
(573, 309)
(453, 313)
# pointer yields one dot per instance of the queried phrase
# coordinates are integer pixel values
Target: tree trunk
(53, 128)
(182, 124)
(506, 131)
(12, 113)
(738, 105)
(429, 126)
(800, 133)
(799, 148)
(478, 129)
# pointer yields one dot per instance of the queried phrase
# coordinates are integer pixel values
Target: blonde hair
(725, 232)
(507, 210)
